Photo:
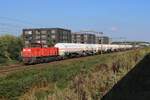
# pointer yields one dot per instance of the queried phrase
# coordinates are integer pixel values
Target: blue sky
(116, 18)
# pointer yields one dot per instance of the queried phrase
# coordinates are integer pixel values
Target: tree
(10, 48)
(50, 42)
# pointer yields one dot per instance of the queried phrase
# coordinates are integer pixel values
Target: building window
(37, 37)
(43, 32)
(37, 32)
(43, 36)
(43, 41)
(26, 42)
(53, 36)
(28, 32)
(53, 31)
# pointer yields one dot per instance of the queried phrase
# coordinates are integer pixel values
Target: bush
(10, 47)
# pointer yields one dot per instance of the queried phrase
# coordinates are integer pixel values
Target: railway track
(9, 69)
(20, 67)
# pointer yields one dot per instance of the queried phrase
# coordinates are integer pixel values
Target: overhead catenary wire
(13, 25)
(17, 20)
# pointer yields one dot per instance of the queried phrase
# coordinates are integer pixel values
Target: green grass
(16, 84)
(9, 63)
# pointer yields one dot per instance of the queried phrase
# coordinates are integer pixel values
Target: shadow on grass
(135, 85)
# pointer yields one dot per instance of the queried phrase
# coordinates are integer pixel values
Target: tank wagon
(60, 51)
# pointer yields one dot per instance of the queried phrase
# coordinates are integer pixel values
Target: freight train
(60, 51)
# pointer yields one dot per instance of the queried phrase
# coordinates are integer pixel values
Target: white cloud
(114, 29)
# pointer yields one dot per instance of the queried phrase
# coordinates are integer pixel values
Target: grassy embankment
(10, 63)
(85, 78)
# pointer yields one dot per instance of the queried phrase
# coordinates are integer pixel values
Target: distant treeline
(10, 47)
(133, 43)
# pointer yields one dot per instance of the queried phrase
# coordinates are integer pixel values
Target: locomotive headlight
(24, 49)
(29, 50)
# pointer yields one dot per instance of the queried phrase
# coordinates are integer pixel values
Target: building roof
(45, 29)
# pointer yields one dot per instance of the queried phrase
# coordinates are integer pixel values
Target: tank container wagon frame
(34, 55)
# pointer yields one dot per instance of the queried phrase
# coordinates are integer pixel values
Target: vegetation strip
(17, 84)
